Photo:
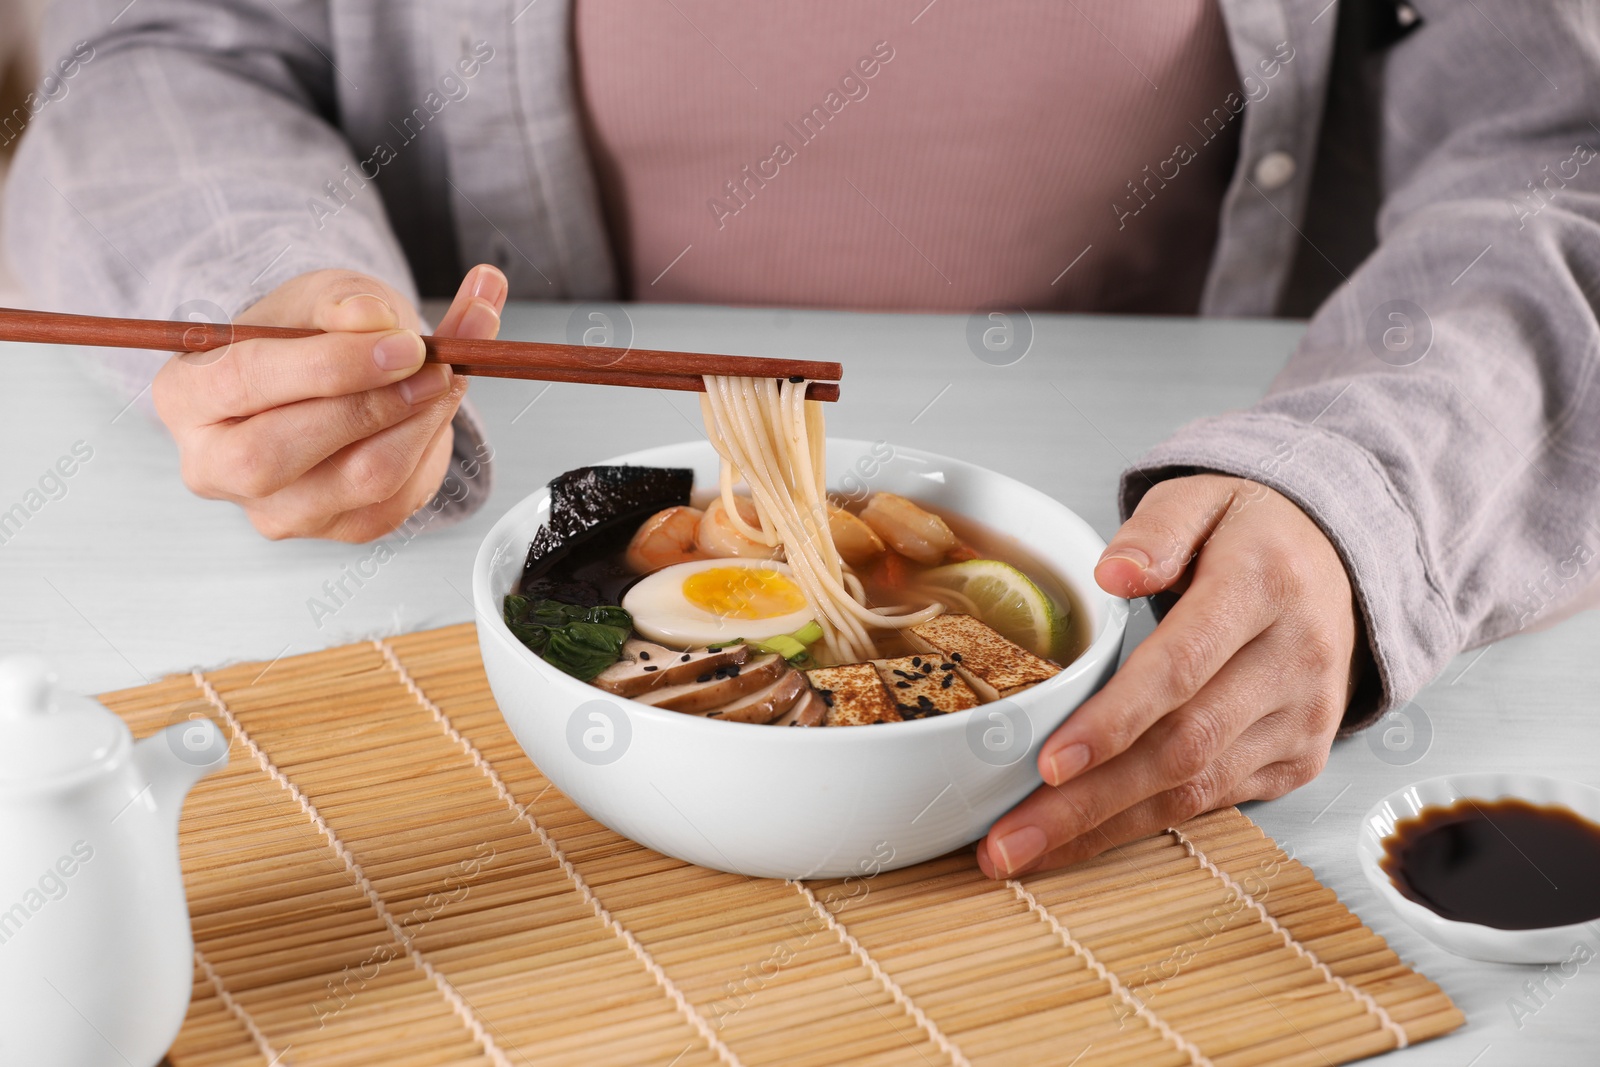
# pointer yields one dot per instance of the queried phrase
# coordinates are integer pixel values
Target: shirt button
(1274, 170)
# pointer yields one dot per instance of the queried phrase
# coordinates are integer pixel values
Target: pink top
(1053, 156)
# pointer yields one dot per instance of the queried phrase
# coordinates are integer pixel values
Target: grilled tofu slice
(719, 687)
(855, 695)
(645, 666)
(764, 705)
(993, 666)
(925, 685)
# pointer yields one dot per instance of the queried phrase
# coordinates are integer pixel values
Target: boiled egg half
(706, 601)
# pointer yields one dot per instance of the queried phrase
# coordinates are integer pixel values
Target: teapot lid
(46, 731)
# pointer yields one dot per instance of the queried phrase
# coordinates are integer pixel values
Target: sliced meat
(764, 705)
(854, 694)
(809, 710)
(647, 666)
(719, 687)
(992, 665)
(925, 685)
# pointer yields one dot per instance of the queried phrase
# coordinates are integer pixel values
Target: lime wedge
(1003, 598)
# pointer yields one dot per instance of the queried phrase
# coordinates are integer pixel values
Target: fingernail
(426, 384)
(489, 284)
(1018, 848)
(479, 321)
(1061, 765)
(1132, 555)
(398, 350)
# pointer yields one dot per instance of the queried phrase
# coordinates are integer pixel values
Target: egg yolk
(743, 592)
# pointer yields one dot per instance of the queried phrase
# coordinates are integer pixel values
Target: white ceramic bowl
(1551, 944)
(796, 803)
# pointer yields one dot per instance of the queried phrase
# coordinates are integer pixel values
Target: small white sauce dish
(1551, 944)
(800, 803)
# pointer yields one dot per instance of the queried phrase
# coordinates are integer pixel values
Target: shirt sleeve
(180, 169)
(1440, 419)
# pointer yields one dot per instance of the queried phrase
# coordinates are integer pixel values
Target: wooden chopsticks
(645, 368)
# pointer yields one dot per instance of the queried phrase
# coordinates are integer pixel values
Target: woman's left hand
(1236, 696)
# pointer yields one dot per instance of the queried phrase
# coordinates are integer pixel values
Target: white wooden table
(124, 576)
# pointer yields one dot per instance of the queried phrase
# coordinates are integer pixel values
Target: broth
(989, 543)
(992, 544)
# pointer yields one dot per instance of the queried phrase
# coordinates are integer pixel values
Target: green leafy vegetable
(782, 644)
(809, 634)
(578, 640)
(791, 647)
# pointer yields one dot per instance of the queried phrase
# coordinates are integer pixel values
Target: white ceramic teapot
(96, 956)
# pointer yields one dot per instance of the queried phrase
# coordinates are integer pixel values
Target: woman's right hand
(341, 436)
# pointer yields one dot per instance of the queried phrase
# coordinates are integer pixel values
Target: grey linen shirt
(1421, 180)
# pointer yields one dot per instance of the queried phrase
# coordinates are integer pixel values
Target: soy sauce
(1502, 863)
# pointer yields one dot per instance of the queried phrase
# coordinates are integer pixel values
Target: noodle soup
(612, 575)
(680, 611)
(793, 802)
(765, 600)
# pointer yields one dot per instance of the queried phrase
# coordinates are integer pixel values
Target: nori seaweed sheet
(593, 513)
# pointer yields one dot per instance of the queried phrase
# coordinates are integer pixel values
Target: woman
(1419, 177)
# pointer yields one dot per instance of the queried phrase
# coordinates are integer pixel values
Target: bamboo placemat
(380, 876)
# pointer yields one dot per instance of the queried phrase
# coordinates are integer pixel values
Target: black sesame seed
(927, 668)
(902, 685)
(924, 703)
(947, 680)
(733, 670)
(685, 658)
(955, 657)
(947, 666)
(905, 674)
(797, 378)
(714, 648)
(652, 668)
(916, 661)
(644, 655)
(703, 678)
(826, 695)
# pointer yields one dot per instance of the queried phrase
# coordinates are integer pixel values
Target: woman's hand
(1235, 696)
(343, 435)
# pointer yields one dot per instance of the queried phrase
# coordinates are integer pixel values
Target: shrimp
(857, 543)
(717, 537)
(914, 533)
(665, 538)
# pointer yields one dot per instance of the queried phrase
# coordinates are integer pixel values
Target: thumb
(1153, 549)
(334, 300)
